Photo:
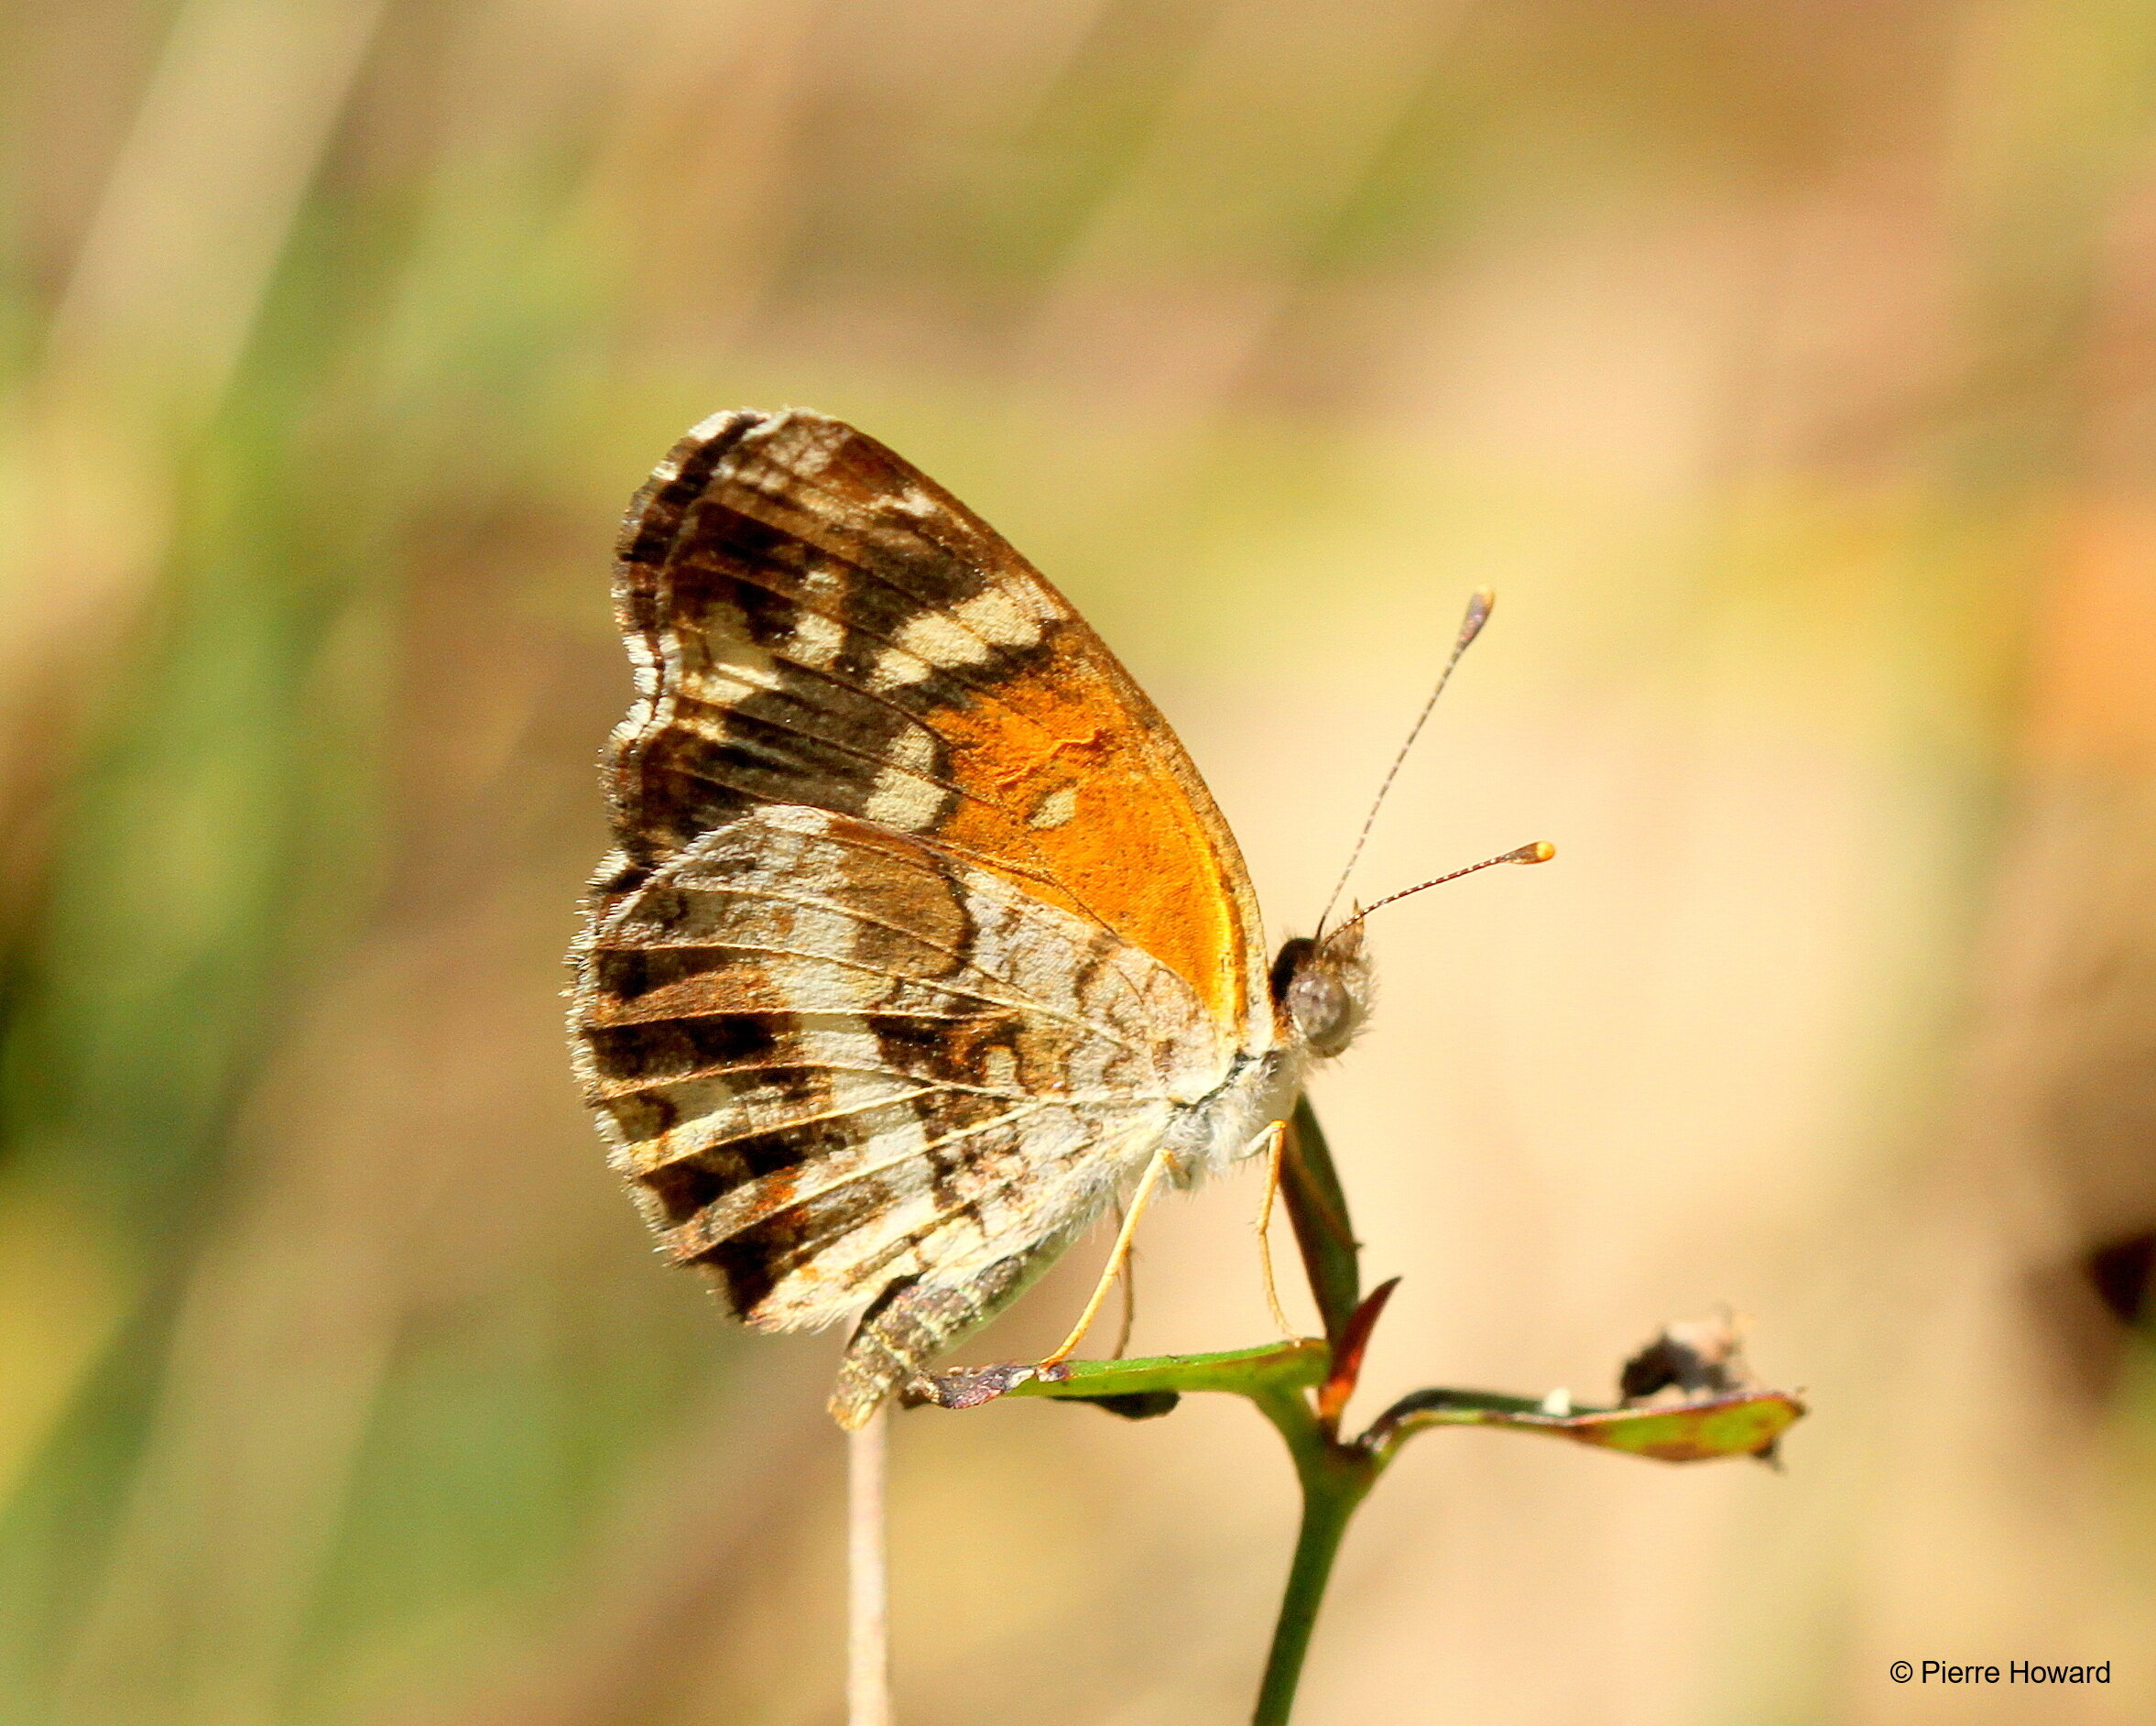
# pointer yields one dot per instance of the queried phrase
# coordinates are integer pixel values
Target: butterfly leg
(1276, 1138)
(1117, 1256)
(1129, 1297)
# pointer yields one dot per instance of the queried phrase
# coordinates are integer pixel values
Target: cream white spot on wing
(812, 445)
(914, 750)
(822, 581)
(894, 670)
(817, 638)
(941, 640)
(995, 617)
(905, 801)
(737, 667)
(1001, 1069)
(795, 818)
(1055, 809)
(842, 1039)
(704, 431)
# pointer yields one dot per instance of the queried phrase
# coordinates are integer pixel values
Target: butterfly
(923, 943)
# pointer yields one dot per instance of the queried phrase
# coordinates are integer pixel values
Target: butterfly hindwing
(830, 1058)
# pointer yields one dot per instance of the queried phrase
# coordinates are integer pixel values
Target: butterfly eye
(1326, 1011)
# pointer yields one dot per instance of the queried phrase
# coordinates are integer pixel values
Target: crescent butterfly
(923, 939)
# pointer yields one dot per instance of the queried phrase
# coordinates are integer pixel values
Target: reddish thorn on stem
(1347, 1359)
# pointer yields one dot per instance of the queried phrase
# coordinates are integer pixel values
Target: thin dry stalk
(869, 1639)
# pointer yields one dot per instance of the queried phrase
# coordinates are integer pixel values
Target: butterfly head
(1321, 990)
(1320, 987)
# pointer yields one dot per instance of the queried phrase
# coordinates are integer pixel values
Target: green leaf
(1298, 1365)
(1310, 1187)
(1270, 1370)
(1735, 1424)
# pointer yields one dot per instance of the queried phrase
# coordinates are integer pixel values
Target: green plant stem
(1280, 1377)
(1334, 1479)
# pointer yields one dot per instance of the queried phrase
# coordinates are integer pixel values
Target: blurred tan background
(1789, 366)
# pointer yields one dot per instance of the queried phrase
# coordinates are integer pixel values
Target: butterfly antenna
(1540, 851)
(1478, 614)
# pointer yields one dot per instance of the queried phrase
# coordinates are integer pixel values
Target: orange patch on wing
(1114, 825)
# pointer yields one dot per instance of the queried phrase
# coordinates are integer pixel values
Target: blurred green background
(1790, 366)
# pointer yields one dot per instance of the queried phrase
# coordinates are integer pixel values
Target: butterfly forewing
(817, 622)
